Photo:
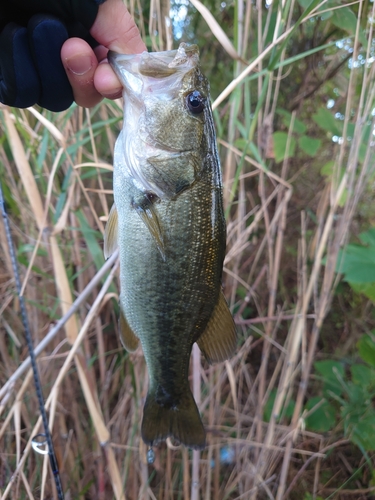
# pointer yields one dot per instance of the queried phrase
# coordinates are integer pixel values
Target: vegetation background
(292, 414)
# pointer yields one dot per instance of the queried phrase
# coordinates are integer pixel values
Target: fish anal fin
(128, 338)
(111, 233)
(219, 340)
(181, 422)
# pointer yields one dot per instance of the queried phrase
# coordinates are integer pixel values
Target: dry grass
(56, 169)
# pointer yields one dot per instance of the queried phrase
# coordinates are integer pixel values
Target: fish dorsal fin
(111, 233)
(218, 341)
(149, 216)
(128, 338)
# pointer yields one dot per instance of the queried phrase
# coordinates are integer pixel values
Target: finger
(80, 64)
(106, 82)
(115, 28)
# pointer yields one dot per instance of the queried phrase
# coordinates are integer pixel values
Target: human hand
(91, 79)
(34, 32)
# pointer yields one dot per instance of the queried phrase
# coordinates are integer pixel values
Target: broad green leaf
(367, 289)
(362, 375)
(357, 264)
(298, 126)
(327, 169)
(346, 20)
(323, 419)
(327, 121)
(363, 432)
(309, 145)
(357, 395)
(329, 368)
(304, 3)
(368, 238)
(331, 373)
(279, 144)
(366, 349)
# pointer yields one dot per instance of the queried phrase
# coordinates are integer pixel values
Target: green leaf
(279, 143)
(29, 248)
(242, 144)
(362, 375)
(309, 145)
(323, 418)
(346, 20)
(331, 373)
(329, 368)
(91, 238)
(357, 263)
(298, 126)
(363, 432)
(366, 349)
(368, 238)
(304, 3)
(327, 169)
(327, 122)
(367, 289)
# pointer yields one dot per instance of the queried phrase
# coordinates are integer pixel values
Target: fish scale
(169, 225)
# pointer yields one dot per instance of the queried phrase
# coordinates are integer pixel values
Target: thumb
(115, 28)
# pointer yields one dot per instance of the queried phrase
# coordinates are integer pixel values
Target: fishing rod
(46, 436)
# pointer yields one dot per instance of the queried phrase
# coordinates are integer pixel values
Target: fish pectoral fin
(111, 233)
(150, 218)
(128, 338)
(218, 341)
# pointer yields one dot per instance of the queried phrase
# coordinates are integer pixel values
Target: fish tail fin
(181, 422)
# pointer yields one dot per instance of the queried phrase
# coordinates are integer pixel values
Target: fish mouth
(156, 64)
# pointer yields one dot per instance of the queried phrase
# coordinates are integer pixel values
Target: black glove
(32, 33)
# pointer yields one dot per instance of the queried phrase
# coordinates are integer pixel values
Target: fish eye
(195, 102)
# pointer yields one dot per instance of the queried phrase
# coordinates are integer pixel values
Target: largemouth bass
(168, 223)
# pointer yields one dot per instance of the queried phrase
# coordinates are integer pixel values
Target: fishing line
(42, 443)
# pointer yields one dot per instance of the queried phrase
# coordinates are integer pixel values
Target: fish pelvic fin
(111, 233)
(181, 422)
(219, 340)
(128, 338)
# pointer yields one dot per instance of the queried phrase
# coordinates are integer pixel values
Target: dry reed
(58, 173)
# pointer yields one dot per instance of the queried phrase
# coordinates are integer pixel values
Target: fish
(168, 223)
